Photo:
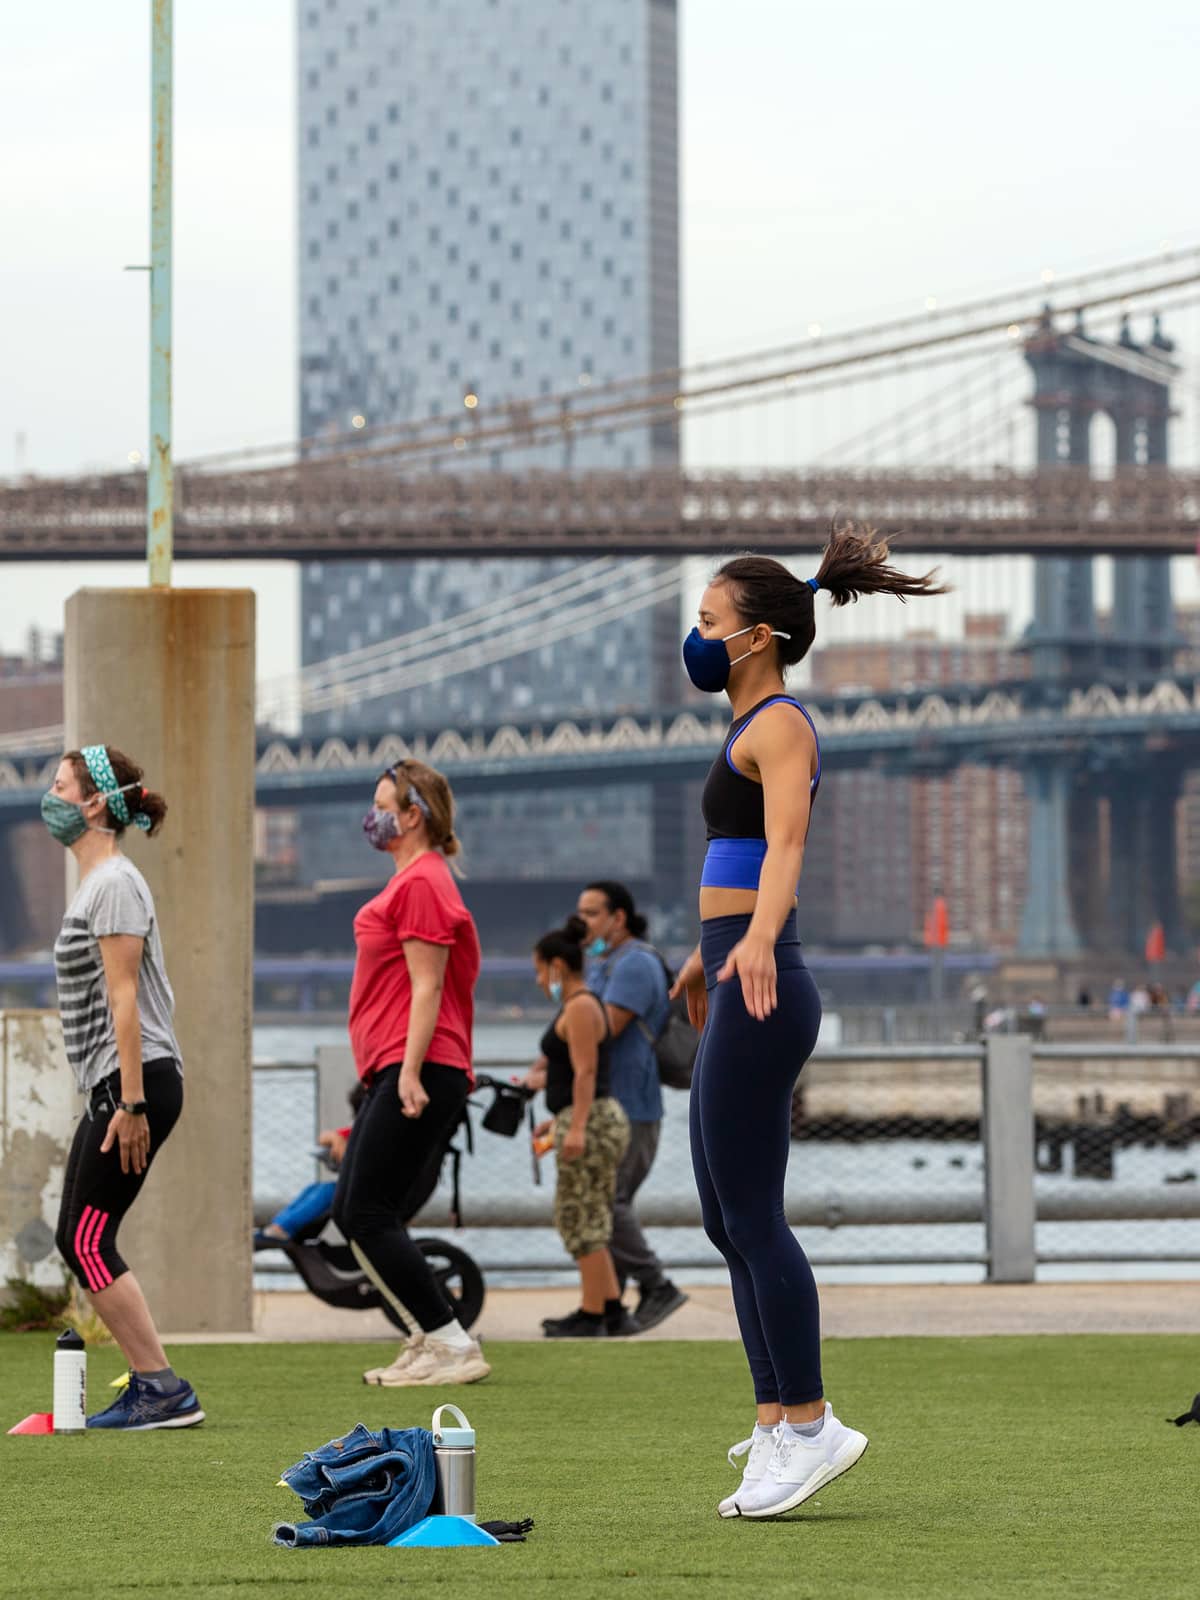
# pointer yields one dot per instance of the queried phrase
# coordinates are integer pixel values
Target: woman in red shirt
(411, 1010)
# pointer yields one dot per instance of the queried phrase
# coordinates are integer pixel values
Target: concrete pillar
(1143, 610)
(167, 675)
(1047, 925)
(1144, 867)
(38, 1113)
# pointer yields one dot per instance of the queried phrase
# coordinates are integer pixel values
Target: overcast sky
(839, 162)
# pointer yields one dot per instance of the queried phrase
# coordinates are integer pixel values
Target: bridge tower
(1066, 906)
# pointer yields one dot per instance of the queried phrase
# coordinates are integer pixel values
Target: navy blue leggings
(741, 1132)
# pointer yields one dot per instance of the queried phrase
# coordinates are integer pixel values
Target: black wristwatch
(135, 1108)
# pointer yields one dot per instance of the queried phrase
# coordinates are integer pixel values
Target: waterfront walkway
(849, 1311)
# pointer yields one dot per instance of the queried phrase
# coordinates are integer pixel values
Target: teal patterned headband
(105, 779)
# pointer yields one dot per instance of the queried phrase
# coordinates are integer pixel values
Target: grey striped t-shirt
(113, 898)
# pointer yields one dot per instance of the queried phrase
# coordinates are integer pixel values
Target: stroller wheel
(458, 1277)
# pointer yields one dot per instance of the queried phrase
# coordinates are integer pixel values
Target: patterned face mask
(65, 819)
(380, 827)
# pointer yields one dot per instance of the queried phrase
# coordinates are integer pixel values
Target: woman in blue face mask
(589, 1128)
(749, 991)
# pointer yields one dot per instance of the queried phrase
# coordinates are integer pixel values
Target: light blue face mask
(555, 987)
(597, 948)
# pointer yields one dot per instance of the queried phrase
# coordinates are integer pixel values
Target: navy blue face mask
(707, 660)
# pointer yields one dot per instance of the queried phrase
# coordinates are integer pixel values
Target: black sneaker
(579, 1325)
(622, 1325)
(656, 1305)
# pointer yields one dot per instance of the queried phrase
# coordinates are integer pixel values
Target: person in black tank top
(590, 1130)
(749, 990)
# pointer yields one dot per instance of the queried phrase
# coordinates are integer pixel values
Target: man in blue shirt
(628, 976)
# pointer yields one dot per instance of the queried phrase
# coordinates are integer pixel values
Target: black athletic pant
(741, 1107)
(96, 1193)
(385, 1168)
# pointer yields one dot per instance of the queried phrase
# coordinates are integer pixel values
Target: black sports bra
(732, 803)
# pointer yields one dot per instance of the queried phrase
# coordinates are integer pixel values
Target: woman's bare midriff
(727, 903)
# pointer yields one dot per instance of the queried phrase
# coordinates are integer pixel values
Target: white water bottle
(70, 1383)
(454, 1453)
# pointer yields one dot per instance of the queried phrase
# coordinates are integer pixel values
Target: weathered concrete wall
(38, 1112)
(167, 675)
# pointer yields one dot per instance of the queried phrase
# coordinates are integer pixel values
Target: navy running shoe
(140, 1407)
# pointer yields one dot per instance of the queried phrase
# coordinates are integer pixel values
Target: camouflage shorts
(583, 1198)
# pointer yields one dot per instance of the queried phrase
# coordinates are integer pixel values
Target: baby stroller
(328, 1266)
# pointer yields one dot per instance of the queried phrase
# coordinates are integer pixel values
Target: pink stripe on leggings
(81, 1247)
(102, 1272)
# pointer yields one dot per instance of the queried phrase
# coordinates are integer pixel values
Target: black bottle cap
(68, 1339)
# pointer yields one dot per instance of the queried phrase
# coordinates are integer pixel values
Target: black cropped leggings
(96, 1193)
(386, 1175)
(741, 1105)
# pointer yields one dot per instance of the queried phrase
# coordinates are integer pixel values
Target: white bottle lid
(460, 1438)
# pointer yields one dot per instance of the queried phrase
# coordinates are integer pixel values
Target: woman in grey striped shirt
(116, 1006)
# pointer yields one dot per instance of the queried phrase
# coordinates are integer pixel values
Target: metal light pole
(160, 484)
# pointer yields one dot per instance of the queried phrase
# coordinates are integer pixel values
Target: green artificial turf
(998, 1467)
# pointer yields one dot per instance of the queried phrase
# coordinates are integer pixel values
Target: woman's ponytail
(855, 563)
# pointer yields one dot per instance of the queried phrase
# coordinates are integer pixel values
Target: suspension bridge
(945, 462)
(429, 487)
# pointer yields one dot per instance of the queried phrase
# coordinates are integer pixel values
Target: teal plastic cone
(442, 1533)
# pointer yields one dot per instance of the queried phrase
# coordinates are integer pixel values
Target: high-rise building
(883, 844)
(489, 209)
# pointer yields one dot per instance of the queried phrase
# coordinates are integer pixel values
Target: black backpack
(677, 1042)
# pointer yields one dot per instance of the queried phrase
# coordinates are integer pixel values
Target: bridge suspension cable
(666, 384)
(556, 589)
(345, 673)
(647, 589)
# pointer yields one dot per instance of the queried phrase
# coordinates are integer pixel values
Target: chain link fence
(887, 1174)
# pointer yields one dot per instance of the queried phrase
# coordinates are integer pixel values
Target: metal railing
(1000, 1155)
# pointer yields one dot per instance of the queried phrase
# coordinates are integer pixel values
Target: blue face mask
(598, 947)
(555, 987)
(707, 660)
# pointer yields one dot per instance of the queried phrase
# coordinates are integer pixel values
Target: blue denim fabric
(364, 1488)
(310, 1204)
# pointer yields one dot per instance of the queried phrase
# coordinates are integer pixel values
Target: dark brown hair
(564, 944)
(620, 899)
(141, 802)
(854, 563)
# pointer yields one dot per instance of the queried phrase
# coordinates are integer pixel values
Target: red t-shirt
(422, 902)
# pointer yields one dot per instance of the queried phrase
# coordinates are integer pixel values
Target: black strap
(509, 1532)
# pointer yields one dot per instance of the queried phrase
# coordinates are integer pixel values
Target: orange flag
(937, 925)
(1156, 943)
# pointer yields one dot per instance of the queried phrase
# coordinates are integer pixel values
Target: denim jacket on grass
(364, 1488)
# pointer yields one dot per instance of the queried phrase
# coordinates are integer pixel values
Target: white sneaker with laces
(408, 1353)
(758, 1446)
(800, 1467)
(437, 1363)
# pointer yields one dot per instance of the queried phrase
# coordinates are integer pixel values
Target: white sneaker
(759, 1445)
(437, 1363)
(408, 1353)
(800, 1467)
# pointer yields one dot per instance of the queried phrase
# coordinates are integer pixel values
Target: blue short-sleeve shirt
(632, 976)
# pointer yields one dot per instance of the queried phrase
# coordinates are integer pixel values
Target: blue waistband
(733, 863)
